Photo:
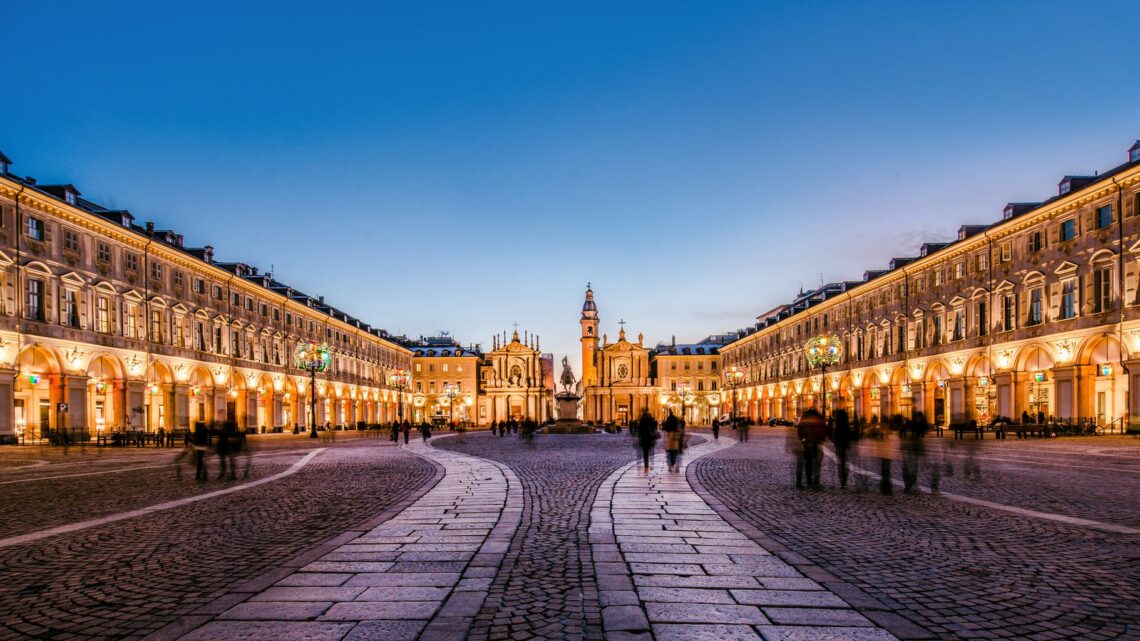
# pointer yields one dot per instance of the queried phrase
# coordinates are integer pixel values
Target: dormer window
(69, 196)
(1133, 155)
(1064, 187)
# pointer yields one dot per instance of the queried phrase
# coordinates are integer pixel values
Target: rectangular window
(177, 276)
(1036, 242)
(1102, 290)
(103, 315)
(130, 328)
(104, 253)
(959, 269)
(264, 309)
(156, 327)
(132, 262)
(199, 286)
(217, 292)
(1007, 313)
(1006, 252)
(1069, 299)
(199, 337)
(937, 277)
(235, 299)
(70, 309)
(248, 304)
(1068, 230)
(959, 325)
(70, 240)
(937, 338)
(983, 319)
(156, 271)
(34, 228)
(1103, 216)
(983, 262)
(35, 300)
(235, 345)
(1035, 304)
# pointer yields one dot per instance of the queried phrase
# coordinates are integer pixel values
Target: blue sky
(462, 166)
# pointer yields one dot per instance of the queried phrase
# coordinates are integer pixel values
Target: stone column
(180, 416)
(7, 406)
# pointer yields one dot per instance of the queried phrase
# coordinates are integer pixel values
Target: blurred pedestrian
(200, 442)
(646, 436)
(425, 431)
(716, 428)
(812, 431)
(842, 438)
(913, 451)
(742, 425)
(795, 447)
(881, 444)
(407, 429)
(674, 440)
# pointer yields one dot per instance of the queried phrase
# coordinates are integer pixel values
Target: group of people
(227, 443)
(645, 431)
(899, 438)
(405, 428)
(526, 427)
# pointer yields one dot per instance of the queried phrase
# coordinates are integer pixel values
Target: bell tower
(589, 324)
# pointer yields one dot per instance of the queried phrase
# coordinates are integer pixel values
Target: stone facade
(1038, 312)
(514, 380)
(107, 325)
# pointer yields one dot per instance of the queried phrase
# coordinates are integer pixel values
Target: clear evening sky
(461, 166)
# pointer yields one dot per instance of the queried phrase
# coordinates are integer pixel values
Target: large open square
(716, 320)
(554, 536)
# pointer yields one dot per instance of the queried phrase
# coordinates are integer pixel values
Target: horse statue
(567, 379)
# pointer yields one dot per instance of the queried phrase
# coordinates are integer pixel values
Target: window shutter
(1022, 311)
(1087, 292)
(1054, 305)
(83, 301)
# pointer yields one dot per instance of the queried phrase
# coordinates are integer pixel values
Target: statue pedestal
(567, 407)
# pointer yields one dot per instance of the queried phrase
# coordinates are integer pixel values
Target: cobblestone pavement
(421, 574)
(669, 568)
(89, 482)
(125, 579)
(546, 587)
(925, 566)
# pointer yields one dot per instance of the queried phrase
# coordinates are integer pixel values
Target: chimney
(30, 180)
(179, 239)
(208, 254)
(321, 300)
(149, 228)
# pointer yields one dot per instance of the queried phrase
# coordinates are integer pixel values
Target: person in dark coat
(812, 431)
(842, 437)
(716, 428)
(646, 436)
(407, 429)
(425, 431)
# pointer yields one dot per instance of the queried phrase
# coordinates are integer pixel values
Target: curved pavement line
(670, 567)
(121, 516)
(132, 469)
(423, 573)
(1112, 528)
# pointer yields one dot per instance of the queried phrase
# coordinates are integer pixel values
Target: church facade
(467, 386)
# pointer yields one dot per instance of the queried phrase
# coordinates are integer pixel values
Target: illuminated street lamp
(820, 352)
(733, 377)
(686, 393)
(399, 379)
(451, 393)
(313, 357)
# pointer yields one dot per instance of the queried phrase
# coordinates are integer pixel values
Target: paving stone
(270, 631)
(624, 617)
(815, 616)
(703, 632)
(386, 631)
(685, 595)
(801, 633)
(364, 610)
(308, 594)
(704, 613)
(797, 598)
(277, 611)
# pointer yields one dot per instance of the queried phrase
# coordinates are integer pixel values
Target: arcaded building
(1038, 312)
(107, 325)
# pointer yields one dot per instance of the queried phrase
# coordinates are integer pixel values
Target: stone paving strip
(669, 568)
(423, 574)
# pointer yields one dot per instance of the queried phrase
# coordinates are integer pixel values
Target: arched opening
(158, 402)
(37, 390)
(106, 394)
